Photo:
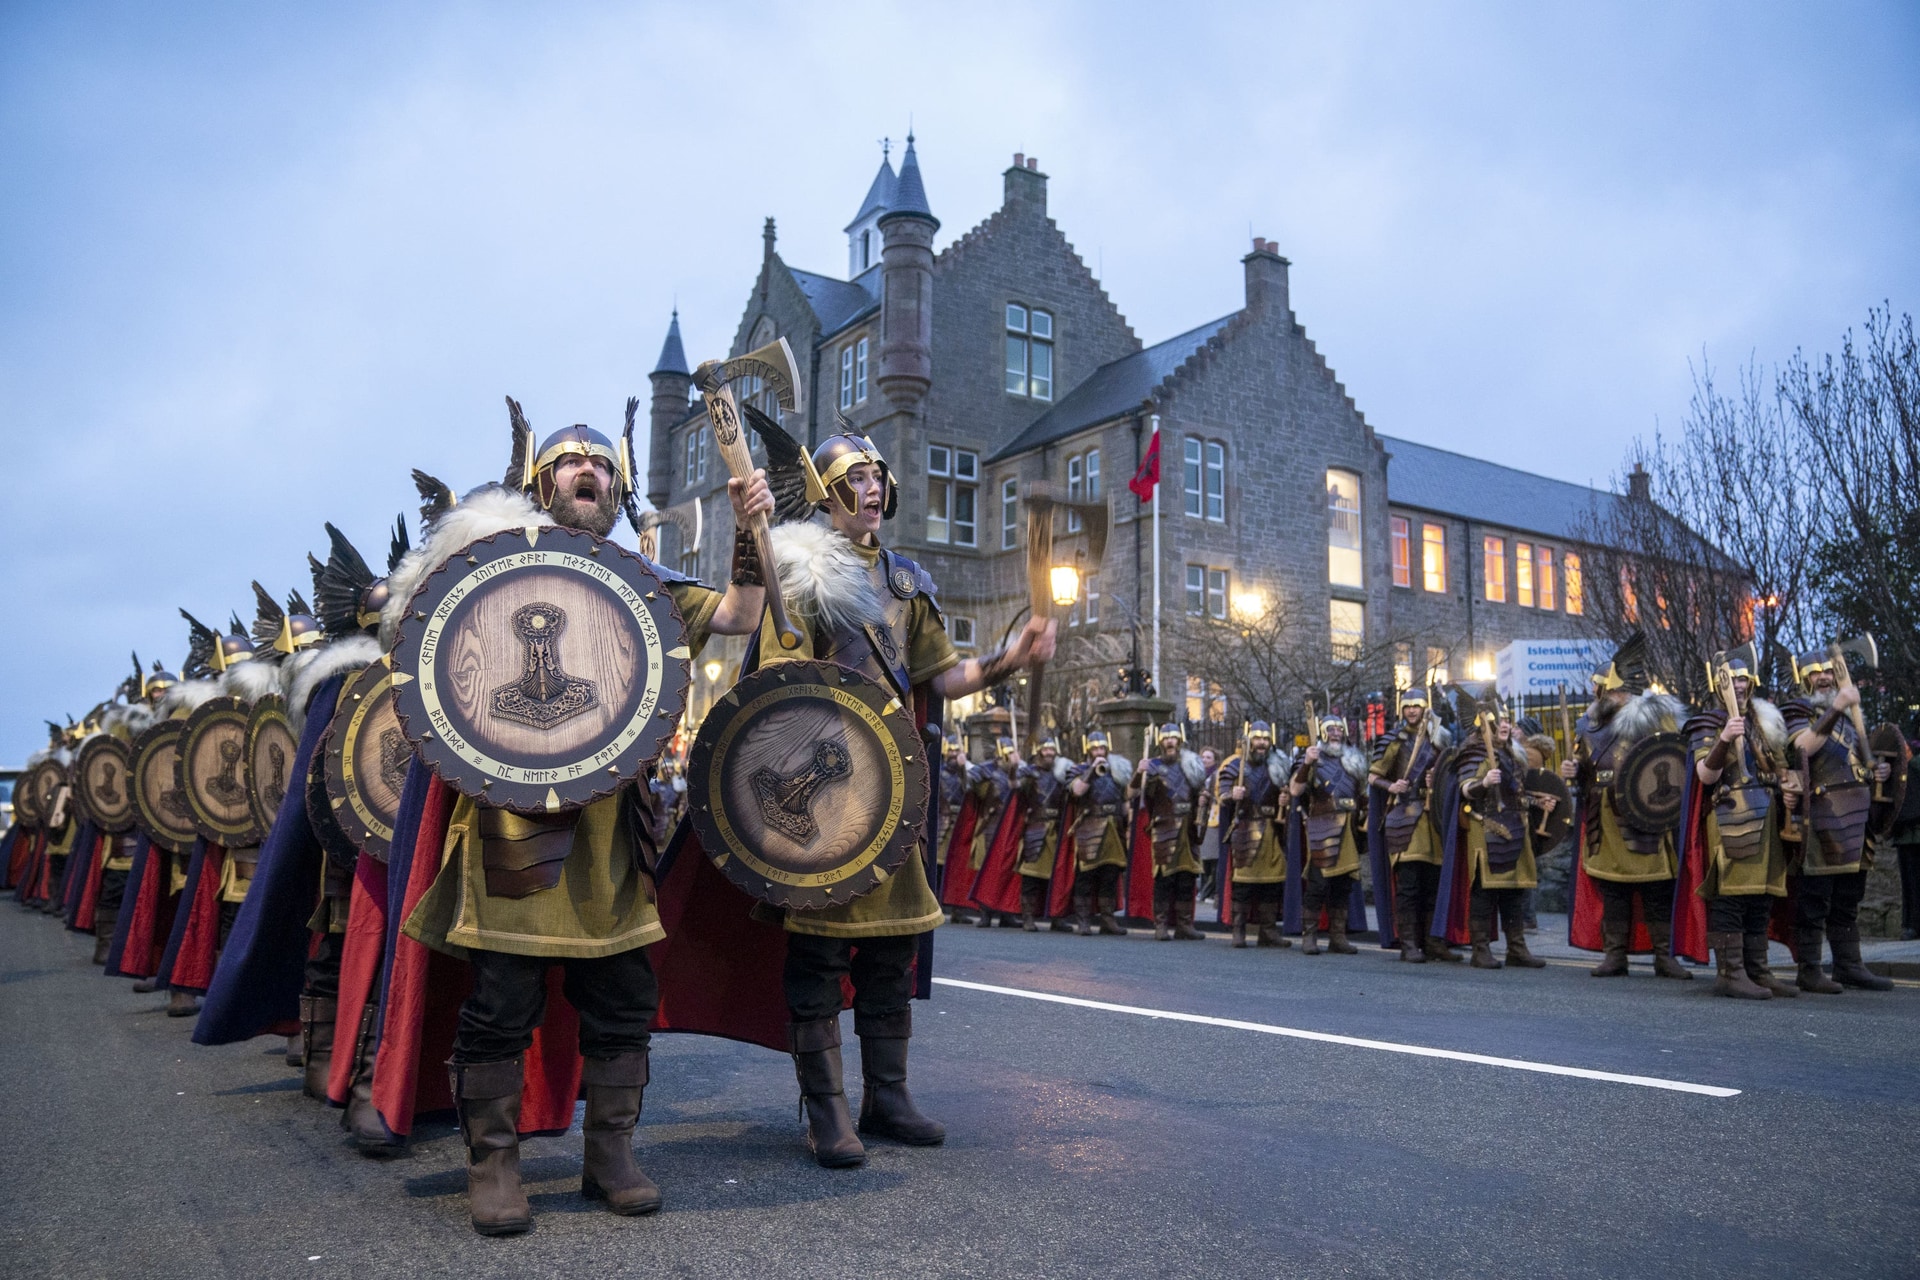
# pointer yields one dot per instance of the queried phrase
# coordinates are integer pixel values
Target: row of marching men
(1697, 834)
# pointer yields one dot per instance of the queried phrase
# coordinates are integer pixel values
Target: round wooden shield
(270, 751)
(808, 784)
(43, 782)
(1550, 827)
(162, 805)
(1651, 781)
(540, 669)
(1888, 746)
(103, 782)
(213, 772)
(26, 807)
(366, 757)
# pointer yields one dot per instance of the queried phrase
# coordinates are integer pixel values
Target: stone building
(999, 362)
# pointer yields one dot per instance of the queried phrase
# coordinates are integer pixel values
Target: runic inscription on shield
(544, 696)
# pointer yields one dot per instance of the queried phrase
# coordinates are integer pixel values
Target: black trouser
(881, 968)
(1616, 902)
(1209, 876)
(113, 891)
(1033, 895)
(229, 912)
(1323, 891)
(1830, 902)
(1416, 888)
(323, 967)
(1508, 904)
(1909, 886)
(1104, 885)
(1739, 913)
(1178, 887)
(616, 997)
(1249, 897)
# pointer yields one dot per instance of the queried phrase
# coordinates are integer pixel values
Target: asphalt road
(1084, 1141)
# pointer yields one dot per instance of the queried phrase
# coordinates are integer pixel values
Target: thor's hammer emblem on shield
(786, 800)
(544, 696)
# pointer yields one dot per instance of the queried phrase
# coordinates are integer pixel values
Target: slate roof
(1117, 387)
(673, 356)
(879, 195)
(838, 303)
(1453, 484)
(909, 193)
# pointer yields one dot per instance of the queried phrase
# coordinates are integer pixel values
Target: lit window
(1402, 665)
(1343, 530)
(1494, 558)
(1576, 601)
(1196, 590)
(1348, 619)
(1217, 593)
(1190, 474)
(860, 371)
(1402, 552)
(1543, 575)
(1433, 557)
(960, 631)
(846, 377)
(1206, 701)
(1029, 352)
(1009, 514)
(1523, 574)
(1629, 598)
(953, 494)
(1437, 672)
(1216, 703)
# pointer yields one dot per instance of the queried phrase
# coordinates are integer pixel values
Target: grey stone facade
(935, 326)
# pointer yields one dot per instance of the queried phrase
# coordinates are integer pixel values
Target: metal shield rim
(729, 855)
(1628, 799)
(26, 803)
(224, 708)
(267, 708)
(158, 832)
(1886, 739)
(104, 743)
(344, 800)
(585, 785)
(45, 779)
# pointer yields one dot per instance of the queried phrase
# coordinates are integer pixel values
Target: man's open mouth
(586, 493)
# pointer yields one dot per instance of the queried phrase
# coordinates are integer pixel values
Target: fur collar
(484, 512)
(307, 671)
(1190, 767)
(1353, 760)
(183, 698)
(252, 680)
(824, 578)
(129, 721)
(1062, 767)
(1773, 727)
(1643, 716)
(1119, 768)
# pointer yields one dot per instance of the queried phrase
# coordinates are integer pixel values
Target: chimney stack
(1639, 483)
(1026, 186)
(1266, 277)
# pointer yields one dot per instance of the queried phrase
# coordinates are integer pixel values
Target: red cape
(1138, 882)
(1583, 917)
(956, 880)
(26, 847)
(997, 887)
(719, 966)
(82, 921)
(152, 903)
(424, 996)
(1689, 908)
(199, 945)
(1065, 864)
(360, 956)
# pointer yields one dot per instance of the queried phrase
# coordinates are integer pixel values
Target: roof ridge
(1390, 440)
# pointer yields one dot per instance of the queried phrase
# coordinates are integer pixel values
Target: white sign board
(1542, 666)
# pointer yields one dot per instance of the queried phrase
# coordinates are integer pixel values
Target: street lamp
(713, 670)
(1066, 584)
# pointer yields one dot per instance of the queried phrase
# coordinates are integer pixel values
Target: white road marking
(1354, 1042)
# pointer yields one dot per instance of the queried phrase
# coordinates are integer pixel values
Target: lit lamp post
(713, 669)
(1065, 580)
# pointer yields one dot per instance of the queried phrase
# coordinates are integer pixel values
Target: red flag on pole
(1148, 476)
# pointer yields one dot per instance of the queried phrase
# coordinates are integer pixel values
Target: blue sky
(257, 261)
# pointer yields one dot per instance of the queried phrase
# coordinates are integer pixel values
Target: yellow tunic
(1614, 861)
(904, 903)
(1424, 846)
(603, 903)
(1523, 874)
(1763, 873)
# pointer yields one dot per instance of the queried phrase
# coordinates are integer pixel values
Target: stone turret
(672, 384)
(906, 329)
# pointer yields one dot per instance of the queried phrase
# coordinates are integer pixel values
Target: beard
(1821, 699)
(596, 518)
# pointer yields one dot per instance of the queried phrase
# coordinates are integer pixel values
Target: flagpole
(1156, 563)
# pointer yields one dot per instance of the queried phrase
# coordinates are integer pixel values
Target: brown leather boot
(1438, 948)
(1480, 931)
(1239, 917)
(1732, 966)
(1109, 917)
(361, 1119)
(1808, 975)
(1310, 928)
(1183, 930)
(886, 1108)
(1267, 915)
(607, 1171)
(316, 1044)
(1083, 906)
(1411, 951)
(1848, 969)
(1613, 964)
(182, 1004)
(1753, 948)
(1162, 912)
(823, 1093)
(1033, 902)
(1513, 921)
(487, 1096)
(104, 920)
(146, 986)
(1660, 933)
(296, 1053)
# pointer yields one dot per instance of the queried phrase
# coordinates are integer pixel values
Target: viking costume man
(1494, 824)
(1167, 790)
(1250, 794)
(1040, 787)
(1402, 775)
(516, 895)
(984, 800)
(863, 606)
(1617, 859)
(1327, 789)
(1096, 829)
(125, 720)
(1838, 771)
(1737, 809)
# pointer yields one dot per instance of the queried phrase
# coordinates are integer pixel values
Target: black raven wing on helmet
(436, 498)
(786, 468)
(203, 648)
(267, 617)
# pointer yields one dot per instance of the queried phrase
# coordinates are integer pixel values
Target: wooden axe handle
(724, 414)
